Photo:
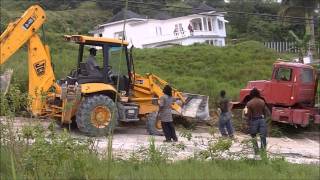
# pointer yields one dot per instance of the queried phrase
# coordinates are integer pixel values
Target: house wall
(151, 33)
(187, 41)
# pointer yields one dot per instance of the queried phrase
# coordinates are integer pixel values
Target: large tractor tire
(97, 115)
(154, 124)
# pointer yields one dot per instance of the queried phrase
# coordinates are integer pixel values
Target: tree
(304, 9)
(301, 44)
(216, 3)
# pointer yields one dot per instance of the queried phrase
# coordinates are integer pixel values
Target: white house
(204, 25)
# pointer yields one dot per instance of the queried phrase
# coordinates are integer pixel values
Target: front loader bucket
(5, 80)
(195, 106)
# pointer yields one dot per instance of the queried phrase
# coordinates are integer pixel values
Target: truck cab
(290, 94)
(291, 84)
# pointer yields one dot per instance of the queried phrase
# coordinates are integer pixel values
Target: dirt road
(301, 148)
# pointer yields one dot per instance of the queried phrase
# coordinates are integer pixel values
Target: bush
(14, 102)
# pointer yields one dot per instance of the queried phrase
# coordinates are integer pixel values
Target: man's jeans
(258, 125)
(225, 123)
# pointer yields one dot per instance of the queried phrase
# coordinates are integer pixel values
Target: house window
(220, 24)
(196, 24)
(213, 24)
(158, 31)
(178, 29)
(209, 42)
(181, 29)
(215, 42)
(209, 24)
(119, 35)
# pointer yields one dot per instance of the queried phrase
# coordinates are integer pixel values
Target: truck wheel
(97, 115)
(153, 124)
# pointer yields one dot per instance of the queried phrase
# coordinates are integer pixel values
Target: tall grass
(91, 167)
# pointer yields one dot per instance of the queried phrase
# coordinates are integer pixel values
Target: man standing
(190, 29)
(225, 115)
(165, 115)
(257, 112)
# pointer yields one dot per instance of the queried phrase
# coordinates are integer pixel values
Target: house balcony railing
(180, 35)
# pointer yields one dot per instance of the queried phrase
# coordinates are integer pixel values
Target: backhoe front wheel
(97, 115)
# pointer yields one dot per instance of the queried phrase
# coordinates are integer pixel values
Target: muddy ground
(302, 147)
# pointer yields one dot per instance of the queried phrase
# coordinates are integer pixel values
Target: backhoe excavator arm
(41, 76)
(20, 31)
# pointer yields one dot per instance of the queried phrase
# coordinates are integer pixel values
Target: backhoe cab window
(283, 74)
(117, 61)
(98, 57)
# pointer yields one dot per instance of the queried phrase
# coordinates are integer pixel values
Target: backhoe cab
(112, 59)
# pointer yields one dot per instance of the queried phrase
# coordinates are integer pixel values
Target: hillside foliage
(81, 16)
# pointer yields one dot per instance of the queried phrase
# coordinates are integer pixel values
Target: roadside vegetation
(38, 153)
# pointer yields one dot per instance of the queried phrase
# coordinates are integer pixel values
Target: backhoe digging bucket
(195, 106)
(5, 80)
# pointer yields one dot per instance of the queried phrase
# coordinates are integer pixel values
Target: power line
(157, 6)
(217, 10)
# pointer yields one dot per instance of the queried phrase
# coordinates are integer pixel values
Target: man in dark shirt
(92, 65)
(225, 115)
(257, 112)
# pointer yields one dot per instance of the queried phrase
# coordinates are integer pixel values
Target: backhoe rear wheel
(154, 125)
(97, 115)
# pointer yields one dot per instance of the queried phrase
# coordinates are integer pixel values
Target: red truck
(290, 94)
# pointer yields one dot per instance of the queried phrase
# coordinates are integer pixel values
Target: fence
(285, 46)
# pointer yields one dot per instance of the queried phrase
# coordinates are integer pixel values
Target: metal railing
(284, 46)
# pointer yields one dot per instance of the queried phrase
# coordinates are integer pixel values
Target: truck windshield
(283, 74)
(117, 60)
(306, 75)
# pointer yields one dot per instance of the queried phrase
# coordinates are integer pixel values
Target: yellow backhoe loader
(94, 100)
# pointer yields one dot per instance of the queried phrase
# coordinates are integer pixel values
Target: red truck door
(306, 88)
(282, 85)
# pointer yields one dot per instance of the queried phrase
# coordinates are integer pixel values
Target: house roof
(125, 13)
(203, 7)
(162, 16)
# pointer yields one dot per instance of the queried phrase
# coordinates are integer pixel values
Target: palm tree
(302, 8)
(301, 44)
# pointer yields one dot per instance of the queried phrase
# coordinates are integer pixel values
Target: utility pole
(312, 45)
